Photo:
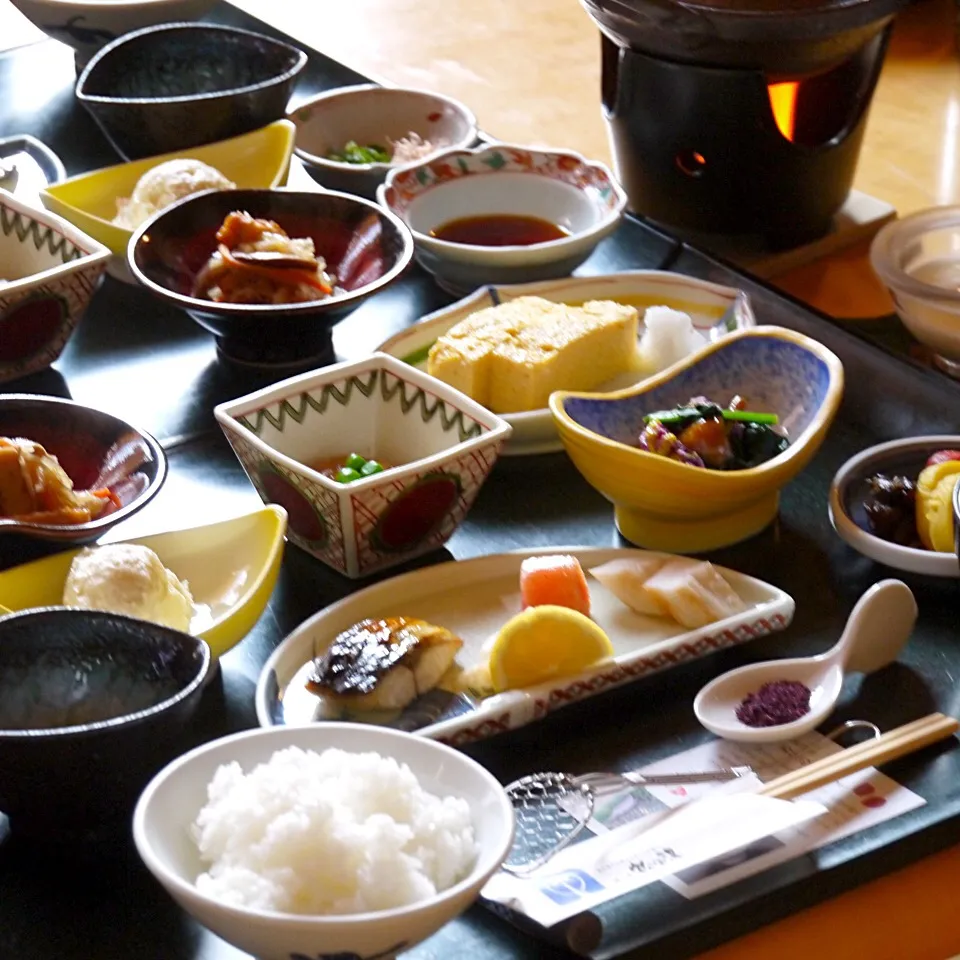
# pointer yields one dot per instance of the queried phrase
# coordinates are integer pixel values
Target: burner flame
(783, 102)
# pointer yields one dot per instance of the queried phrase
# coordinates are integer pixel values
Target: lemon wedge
(545, 642)
(934, 509)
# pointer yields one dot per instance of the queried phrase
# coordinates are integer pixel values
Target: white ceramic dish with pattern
(49, 270)
(368, 113)
(715, 311)
(437, 444)
(578, 195)
(474, 598)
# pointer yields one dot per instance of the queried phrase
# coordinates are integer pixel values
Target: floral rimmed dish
(578, 197)
(49, 270)
(473, 599)
(437, 447)
(715, 311)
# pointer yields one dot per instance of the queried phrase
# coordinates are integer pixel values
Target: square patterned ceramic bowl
(662, 504)
(579, 198)
(49, 270)
(437, 446)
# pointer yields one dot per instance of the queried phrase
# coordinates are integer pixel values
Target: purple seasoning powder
(780, 701)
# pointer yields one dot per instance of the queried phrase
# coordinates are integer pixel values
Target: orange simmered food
(256, 262)
(34, 488)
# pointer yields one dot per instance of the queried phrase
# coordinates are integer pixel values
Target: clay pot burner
(740, 117)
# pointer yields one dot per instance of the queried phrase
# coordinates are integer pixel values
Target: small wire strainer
(552, 809)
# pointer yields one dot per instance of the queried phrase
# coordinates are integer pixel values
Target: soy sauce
(499, 230)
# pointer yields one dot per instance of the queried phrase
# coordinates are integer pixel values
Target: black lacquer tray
(150, 364)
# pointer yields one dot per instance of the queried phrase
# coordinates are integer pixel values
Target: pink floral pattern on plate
(404, 185)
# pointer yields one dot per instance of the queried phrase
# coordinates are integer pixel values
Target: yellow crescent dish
(231, 566)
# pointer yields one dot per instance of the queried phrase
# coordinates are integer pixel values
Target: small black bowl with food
(269, 272)
(895, 503)
(92, 705)
(68, 472)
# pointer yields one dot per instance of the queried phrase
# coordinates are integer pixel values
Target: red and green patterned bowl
(49, 270)
(438, 447)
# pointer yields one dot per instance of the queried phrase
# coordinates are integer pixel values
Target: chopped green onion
(749, 416)
(680, 414)
(347, 475)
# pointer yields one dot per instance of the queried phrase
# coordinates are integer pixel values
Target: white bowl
(87, 25)
(905, 457)
(371, 114)
(560, 187)
(169, 805)
(715, 311)
(438, 444)
(918, 258)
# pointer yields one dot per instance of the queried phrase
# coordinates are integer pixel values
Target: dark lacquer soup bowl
(172, 86)
(365, 247)
(98, 452)
(92, 705)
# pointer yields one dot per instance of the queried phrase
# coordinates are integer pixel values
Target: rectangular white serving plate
(474, 598)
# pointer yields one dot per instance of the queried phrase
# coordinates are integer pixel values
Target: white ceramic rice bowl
(170, 803)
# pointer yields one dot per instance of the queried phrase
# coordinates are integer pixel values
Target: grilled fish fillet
(384, 664)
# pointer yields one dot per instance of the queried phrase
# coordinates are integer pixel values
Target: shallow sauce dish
(161, 830)
(714, 310)
(439, 447)
(231, 567)
(474, 599)
(563, 188)
(847, 491)
(665, 505)
(256, 160)
(371, 114)
(96, 449)
(91, 706)
(366, 248)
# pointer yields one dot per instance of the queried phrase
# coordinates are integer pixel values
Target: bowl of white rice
(327, 839)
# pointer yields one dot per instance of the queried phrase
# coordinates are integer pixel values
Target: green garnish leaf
(353, 152)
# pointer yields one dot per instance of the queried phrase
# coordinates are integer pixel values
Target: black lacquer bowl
(364, 246)
(97, 450)
(176, 85)
(92, 705)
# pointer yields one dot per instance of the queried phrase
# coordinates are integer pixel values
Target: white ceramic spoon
(876, 631)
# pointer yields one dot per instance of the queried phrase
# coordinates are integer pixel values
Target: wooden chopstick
(871, 753)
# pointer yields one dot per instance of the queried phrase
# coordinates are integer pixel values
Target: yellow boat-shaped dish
(231, 566)
(259, 159)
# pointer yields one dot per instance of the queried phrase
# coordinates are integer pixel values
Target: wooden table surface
(530, 71)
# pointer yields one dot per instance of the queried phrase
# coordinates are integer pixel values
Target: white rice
(329, 833)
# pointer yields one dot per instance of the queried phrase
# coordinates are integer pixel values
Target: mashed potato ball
(128, 579)
(167, 183)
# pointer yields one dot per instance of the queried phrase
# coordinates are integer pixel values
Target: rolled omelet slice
(934, 505)
(513, 356)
